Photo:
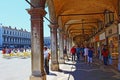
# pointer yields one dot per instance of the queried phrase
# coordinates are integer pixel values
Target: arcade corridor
(89, 23)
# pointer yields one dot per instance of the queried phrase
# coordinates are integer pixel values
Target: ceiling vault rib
(35, 7)
(78, 29)
(81, 23)
(83, 32)
(83, 14)
(84, 26)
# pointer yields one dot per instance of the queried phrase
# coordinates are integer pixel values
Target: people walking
(65, 53)
(82, 50)
(85, 53)
(105, 54)
(3, 51)
(73, 51)
(98, 52)
(46, 59)
(90, 56)
(78, 52)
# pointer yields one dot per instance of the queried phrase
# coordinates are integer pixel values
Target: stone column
(61, 47)
(37, 43)
(67, 39)
(119, 46)
(69, 46)
(107, 17)
(54, 48)
(70, 43)
(119, 35)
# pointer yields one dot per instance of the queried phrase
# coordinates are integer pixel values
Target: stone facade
(14, 38)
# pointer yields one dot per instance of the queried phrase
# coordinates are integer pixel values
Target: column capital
(36, 12)
(60, 30)
(53, 26)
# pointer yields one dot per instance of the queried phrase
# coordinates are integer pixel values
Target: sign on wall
(102, 36)
(111, 30)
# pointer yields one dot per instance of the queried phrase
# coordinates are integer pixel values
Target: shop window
(113, 47)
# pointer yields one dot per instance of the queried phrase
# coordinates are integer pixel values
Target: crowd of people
(82, 52)
(8, 52)
(86, 53)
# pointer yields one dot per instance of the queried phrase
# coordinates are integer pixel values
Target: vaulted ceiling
(74, 16)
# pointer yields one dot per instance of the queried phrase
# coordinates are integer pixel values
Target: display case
(113, 47)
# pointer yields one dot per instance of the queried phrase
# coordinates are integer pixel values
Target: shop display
(113, 47)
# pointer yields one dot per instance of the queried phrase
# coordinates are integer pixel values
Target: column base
(54, 66)
(38, 78)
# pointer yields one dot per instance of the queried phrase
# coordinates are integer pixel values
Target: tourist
(85, 53)
(65, 53)
(73, 51)
(46, 59)
(3, 51)
(90, 56)
(105, 54)
(78, 53)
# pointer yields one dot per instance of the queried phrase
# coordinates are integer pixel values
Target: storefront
(102, 39)
(113, 46)
(112, 39)
(97, 45)
(91, 42)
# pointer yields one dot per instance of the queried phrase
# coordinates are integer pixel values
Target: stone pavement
(82, 71)
(20, 69)
(15, 68)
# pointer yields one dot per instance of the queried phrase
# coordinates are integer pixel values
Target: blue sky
(13, 13)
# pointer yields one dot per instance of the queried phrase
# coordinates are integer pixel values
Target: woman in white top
(85, 53)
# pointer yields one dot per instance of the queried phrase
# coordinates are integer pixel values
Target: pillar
(54, 48)
(67, 39)
(107, 17)
(69, 46)
(70, 43)
(61, 47)
(119, 46)
(119, 34)
(37, 43)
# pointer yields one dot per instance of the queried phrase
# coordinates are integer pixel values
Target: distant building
(14, 38)
(17, 38)
(47, 41)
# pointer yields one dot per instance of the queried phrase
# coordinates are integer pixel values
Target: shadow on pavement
(83, 71)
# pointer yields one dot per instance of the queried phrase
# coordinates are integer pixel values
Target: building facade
(14, 38)
(47, 41)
